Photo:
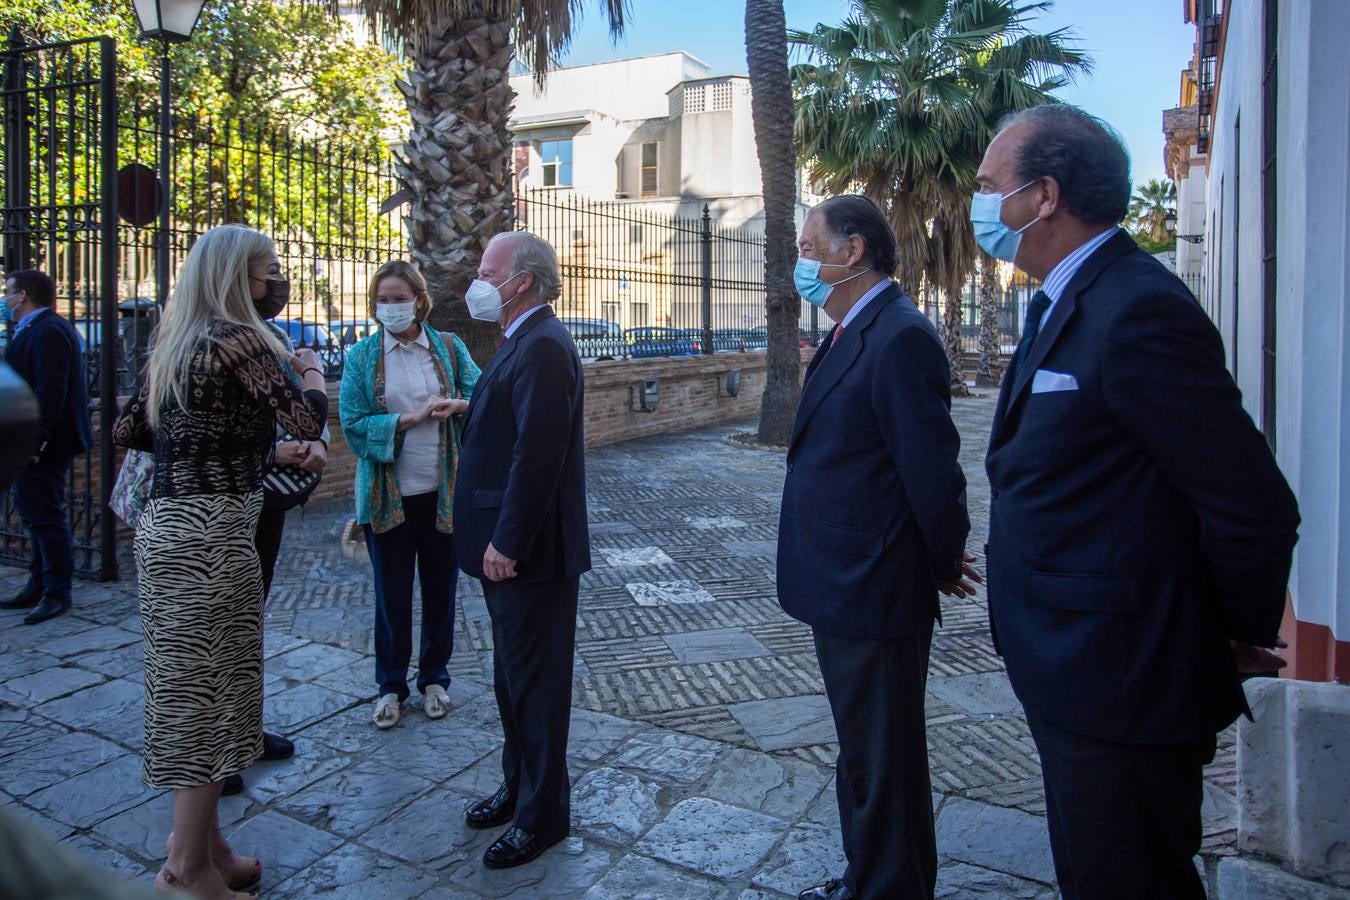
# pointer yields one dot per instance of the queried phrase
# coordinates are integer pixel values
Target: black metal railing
(60, 138)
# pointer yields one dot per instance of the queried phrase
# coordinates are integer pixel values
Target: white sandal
(435, 701)
(387, 711)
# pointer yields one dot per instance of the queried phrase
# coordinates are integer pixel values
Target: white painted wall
(623, 89)
(1313, 258)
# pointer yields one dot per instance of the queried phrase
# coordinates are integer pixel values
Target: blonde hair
(212, 286)
(406, 272)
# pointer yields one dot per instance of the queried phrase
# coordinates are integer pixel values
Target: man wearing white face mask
(873, 526)
(1140, 532)
(520, 527)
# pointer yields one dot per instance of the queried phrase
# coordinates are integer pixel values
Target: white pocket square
(1046, 382)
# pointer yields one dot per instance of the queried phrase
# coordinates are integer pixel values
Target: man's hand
(497, 567)
(964, 585)
(316, 456)
(1258, 660)
(289, 453)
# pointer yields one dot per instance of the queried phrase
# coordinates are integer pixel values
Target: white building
(661, 132)
(1273, 112)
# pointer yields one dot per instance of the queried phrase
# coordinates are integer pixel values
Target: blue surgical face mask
(986, 217)
(6, 314)
(806, 277)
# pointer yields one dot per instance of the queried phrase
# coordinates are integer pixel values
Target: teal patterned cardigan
(371, 430)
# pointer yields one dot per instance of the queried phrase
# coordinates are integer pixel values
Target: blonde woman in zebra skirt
(215, 392)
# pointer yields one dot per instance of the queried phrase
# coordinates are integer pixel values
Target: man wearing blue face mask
(873, 527)
(1140, 531)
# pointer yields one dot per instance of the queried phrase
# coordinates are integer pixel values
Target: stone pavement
(702, 743)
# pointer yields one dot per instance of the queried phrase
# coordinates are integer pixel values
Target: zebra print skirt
(201, 598)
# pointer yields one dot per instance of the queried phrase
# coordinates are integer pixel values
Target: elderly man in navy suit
(520, 527)
(46, 352)
(1140, 532)
(873, 526)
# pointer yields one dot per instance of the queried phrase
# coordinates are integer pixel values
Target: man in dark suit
(1140, 531)
(46, 352)
(520, 527)
(873, 526)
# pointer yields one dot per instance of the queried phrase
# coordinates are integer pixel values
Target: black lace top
(221, 443)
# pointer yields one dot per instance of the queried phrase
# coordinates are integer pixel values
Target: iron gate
(59, 168)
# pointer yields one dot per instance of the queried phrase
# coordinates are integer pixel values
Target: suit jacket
(48, 355)
(1138, 520)
(874, 503)
(521, 483)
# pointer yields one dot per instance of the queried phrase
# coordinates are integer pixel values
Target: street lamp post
(169, 22)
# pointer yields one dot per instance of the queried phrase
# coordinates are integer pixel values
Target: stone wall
(693, 393)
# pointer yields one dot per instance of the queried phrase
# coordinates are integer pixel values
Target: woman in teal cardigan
(404, 391)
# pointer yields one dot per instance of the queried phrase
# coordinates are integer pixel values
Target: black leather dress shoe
(495, 810)
(276, 747)
(231, 785)
(49, 608)
(518, 846)
(834, 889)
(22, 600)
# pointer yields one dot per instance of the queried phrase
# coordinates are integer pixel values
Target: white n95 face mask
(485, 299)
(397, 317)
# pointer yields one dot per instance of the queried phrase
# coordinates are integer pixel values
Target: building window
(1269, 286)
(693, 99)
(649, 169)
(555, 159)
(641, 313)
(609, 311)
(721, 95)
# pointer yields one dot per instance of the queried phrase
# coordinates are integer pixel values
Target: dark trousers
(876, 690)
(271, 524)
(534, 634)
(1124, 818)
(414, 546)
(40, 496)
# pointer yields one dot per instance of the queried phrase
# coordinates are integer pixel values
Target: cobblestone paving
(702, 743)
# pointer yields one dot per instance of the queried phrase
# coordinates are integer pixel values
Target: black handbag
(286, 487)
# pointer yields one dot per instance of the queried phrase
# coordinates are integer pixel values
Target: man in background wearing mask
(1140, 532)
(46, 352)
(520, 527)
(873, 526)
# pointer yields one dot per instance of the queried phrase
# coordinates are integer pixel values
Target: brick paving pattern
(702, 742)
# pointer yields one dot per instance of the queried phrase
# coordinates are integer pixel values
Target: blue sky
(1139, 49)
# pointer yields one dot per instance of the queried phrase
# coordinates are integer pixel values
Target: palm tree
(900, 100)
(985, 376)
(771, 109)
(455, 166)
(1150, 205)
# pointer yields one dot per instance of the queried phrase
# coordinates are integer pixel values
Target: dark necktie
(1031, 327)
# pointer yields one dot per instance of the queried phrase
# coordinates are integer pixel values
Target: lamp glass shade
(168, 20)
(1170, 221)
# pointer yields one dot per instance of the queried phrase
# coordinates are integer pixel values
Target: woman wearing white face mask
(403, 390)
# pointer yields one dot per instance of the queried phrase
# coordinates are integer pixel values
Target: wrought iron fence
(638, 282)
(60, 113)
(1014, 293)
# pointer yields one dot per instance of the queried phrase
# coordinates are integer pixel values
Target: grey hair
(531, 253)
(1085, 156)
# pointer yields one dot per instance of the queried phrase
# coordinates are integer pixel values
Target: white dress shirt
(409, 379)
(1062, 274)
(521, 321)
(872, 293)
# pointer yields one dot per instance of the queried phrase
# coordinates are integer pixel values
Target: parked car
(595, 338)
(349, 331)
(644, 343)
(317, 338)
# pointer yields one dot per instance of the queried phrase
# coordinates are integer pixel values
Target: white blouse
(409, 379)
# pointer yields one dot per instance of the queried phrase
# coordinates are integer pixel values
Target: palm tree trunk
(771, 110)
(951, 338)
(986, 374)
(455, 165)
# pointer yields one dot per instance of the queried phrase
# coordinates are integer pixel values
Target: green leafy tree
(899, 102)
